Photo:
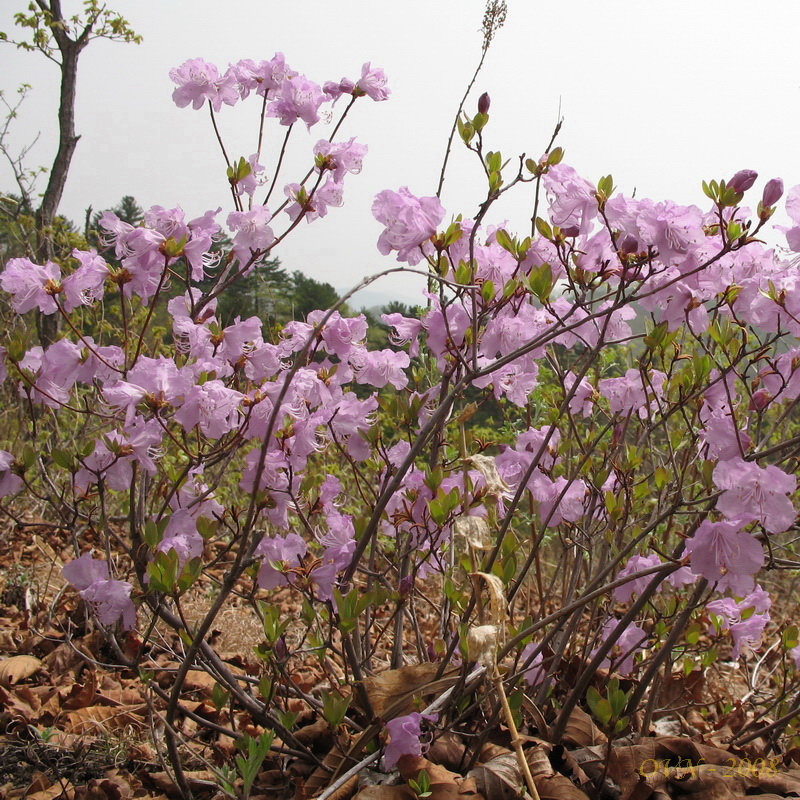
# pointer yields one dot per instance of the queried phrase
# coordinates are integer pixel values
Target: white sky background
(659, 94)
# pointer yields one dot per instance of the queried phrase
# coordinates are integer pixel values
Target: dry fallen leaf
(386, 793)
(18, 668)
(94, 720)
(581, 730)
(499, 778)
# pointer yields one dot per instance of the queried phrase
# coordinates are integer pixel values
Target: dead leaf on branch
(391, 694)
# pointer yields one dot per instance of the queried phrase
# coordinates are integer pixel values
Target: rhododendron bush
(633, 362)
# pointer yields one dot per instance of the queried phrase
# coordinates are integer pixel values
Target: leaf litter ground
(71, 728)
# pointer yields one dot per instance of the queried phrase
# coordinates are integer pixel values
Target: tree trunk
(48, 326)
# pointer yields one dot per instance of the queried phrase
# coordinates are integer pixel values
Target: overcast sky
(659, 94)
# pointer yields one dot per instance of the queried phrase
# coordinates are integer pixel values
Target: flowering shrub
(635, 359)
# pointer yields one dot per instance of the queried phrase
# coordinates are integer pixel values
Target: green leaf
(437, 511)
(693, 632)
(63, 459)
(544, 228)
(464, 274)
(334, 708)
(466, 131)
(605, 186)
(599, 706)
(206, 527)
(219, 697)
(190, 573)
(505, 241)
(163, 571)
(28, 456)
(479, 121)
(734, 229)
(541, 282)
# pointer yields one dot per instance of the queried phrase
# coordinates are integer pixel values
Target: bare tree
(61, 39)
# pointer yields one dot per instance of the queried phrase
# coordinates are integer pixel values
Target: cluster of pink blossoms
(291, 96)
(230, 382)
(662, 247)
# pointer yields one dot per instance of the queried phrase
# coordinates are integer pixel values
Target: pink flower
(410, 221)
(110, 599)
(181, 535)
(565, 500)
(249, 184)
(745, 632)
(672, 229)
(336, 90)
(211, 406)
(581, 400)
(635, 564)
(199, 81)
(516, 381)
(631, 640)
(406, 329)
(725, 555)
(373, 82)
(572, 199)
(297, 98)
(405, 737)
(341, 335)
(340, 157)
(240, 338)
(377, 368)
(630, 393)
(751, 492)
(87, 283)
(445, 328)
(32, 285)
(316, 205)
(793, 210)
(534, 673)
(748, 633)
(265, 77)
(10, 483)
(252, 232)
(720, 435)
(277, 552)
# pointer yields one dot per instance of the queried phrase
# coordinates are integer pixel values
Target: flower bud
(773, 192)
(629, 245)
(406, 585)
(760, 399)
(743, 180)
(484, 101)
